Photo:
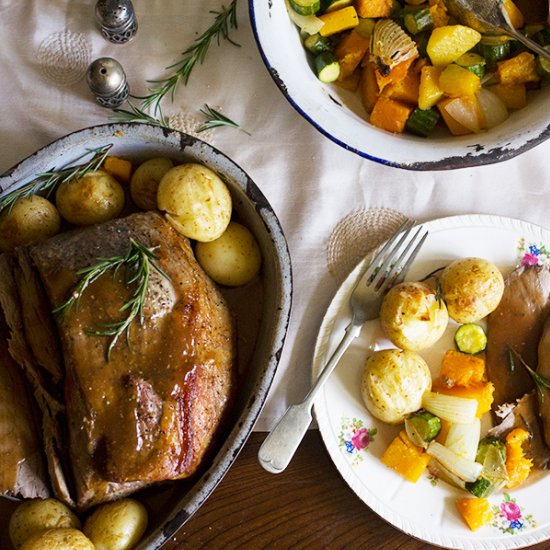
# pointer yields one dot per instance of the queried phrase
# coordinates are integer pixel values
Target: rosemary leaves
(137, 263)
(215, 119)
(48, 181)
(225, 20)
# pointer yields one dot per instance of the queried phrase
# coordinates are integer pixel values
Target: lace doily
(356, 235)
(189, 124)
(64, 57)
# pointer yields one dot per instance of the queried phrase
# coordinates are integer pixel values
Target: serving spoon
(490, 17)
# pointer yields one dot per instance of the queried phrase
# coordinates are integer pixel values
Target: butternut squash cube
(350, 52)
(482, 392)
(120, 169)
(446, 44)
(461, 369)
(399, 72)
(456, 81)
(390, 115)
(429, 92)
(373, 8)
(368, 87)
(405, 458)
(519, 69)
(475, 511)
(518, 466)
(338, 21)
(405, 90)
(514, 97)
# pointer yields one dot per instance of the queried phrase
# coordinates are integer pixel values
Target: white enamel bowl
(339, 115)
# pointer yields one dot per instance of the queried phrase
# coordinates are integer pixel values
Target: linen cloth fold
(312, 183)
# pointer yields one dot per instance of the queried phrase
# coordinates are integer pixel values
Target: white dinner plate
(355, 440)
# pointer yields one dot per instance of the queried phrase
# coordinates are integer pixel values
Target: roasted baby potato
(96, 197)
(196, 201)
(29, 220)
(393, 383)
(33, 517)
(413, 316)
(145, 181)
(59, 539)
(232, 259)
(116, 525)
(472, 288)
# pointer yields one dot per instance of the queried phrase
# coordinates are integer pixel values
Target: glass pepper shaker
(107, 81)
(117, 20)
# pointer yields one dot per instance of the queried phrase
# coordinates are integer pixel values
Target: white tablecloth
(312, 183)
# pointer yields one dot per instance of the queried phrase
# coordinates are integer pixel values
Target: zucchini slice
(470, 338)
(305, 7)
(473, 62)
(316, 44)
(422, 121)
(327, 67)
(331, 5)
(418, 21)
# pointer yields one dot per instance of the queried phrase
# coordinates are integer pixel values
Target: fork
(490, 16)
(387, 268)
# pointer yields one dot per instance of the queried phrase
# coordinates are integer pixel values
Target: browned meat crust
(149, 413)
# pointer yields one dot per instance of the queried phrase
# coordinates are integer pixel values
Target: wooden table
(307, 506)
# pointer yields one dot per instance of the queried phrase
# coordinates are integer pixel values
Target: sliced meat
(148, 412)
(50, 407)
(517, 324)
(543, 369)
(23, 473)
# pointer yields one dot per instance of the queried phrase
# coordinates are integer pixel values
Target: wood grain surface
(308, 506)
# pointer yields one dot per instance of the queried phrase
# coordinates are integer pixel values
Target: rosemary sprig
(196, 53)
(540, 381)
(135, 114)
(48, 181)
(137, 262)
(215, 119)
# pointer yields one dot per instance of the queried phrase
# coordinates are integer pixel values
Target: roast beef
(543, 369)
(147, 411)
(517, 325)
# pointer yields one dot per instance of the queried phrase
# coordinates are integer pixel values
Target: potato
(29, 220)
(472, 288)
(59, 539)
(232, 259)
(145, 181)
(116, 525)
(393, 383)
(196, 201)
(96, 197)
(33, 517)
(413, 316)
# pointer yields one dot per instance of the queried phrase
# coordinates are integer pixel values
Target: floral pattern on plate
(532, 253)
(354, 438)
(510, 518)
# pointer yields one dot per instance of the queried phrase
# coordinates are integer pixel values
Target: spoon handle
(531, 44)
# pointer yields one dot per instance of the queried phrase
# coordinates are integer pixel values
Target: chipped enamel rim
(142, 141)
(339, 115)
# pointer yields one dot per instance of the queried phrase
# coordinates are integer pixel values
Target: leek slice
(459, 410)
(465, 469)
(307, 23)
(463, 439)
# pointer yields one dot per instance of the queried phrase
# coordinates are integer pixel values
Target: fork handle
(531, 44)
(279, 446)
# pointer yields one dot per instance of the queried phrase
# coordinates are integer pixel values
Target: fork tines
(394, 259)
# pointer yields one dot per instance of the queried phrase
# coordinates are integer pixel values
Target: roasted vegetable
(475, 511)
(518, 466)
(470, 338)
(405, 458)
(393, 383)
(413, 316)
(422, 427)
(472, 288)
